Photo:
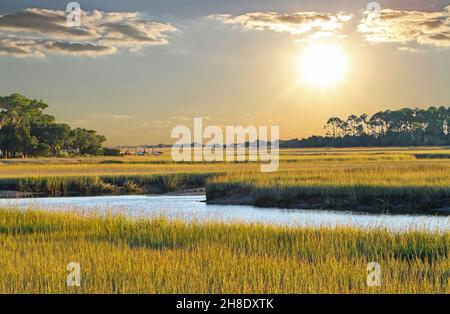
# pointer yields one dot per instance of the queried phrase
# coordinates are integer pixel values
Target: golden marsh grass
(119, 255)
(380, 179)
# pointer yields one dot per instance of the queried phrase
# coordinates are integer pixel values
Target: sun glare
(323, 65)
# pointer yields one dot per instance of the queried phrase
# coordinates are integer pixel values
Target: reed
(388, 179)
(120, 255)
(394, 186)
(98, 185)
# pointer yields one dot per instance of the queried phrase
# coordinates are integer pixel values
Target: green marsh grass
(120, 255)
(98, 185)
(388, 179)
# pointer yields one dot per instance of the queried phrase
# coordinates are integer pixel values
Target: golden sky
(132, 72)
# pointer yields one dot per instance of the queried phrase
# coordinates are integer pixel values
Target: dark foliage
(25, 130)
(404, 127)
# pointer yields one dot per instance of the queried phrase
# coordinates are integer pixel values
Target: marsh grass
(98, 185)
(388, 180)
(120, 255)
(400, 186)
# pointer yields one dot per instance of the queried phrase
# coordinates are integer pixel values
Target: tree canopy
(25, 130)
(404, 127)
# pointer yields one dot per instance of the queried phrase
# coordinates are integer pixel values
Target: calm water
(192, 208)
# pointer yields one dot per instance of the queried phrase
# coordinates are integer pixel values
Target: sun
(323, 65)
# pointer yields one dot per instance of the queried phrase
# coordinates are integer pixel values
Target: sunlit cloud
(21, 48)
(115, 116)
(396, 26)
(408, 49)
(307, 25)
(76, 122)
(37, 32)
(79, 49)
(179, 118)
(156, 124)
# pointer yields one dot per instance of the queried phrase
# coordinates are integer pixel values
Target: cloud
(115, 116)
(405, 27)
(179, 118)
(309, 25)
(37, 32)
(20, 48)
(156, 124)
(408, 49)
(76, 122)
(121, 116)
(75, 48)
(171, 121)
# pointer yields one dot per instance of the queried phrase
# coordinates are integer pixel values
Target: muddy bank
(17, 194)
(187, 192)
(375, 205)
(368, 199)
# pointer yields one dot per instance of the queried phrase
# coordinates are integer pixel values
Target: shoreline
(243, 199)
(363, 209)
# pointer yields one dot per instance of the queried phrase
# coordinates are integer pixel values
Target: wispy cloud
(76, 122)
(37, 32)
(179, 118)
(21, 48)
(156, 124)
(114, 116)
(172, 121)
(397, 26)
(308, 25)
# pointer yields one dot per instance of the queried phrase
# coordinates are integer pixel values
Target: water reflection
(191, 208)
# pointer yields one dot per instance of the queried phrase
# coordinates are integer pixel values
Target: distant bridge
(139, 150)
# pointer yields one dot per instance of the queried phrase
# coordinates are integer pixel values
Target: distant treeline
(404, 127)
(25, 130)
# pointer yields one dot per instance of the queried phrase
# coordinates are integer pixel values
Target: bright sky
(134, 69)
